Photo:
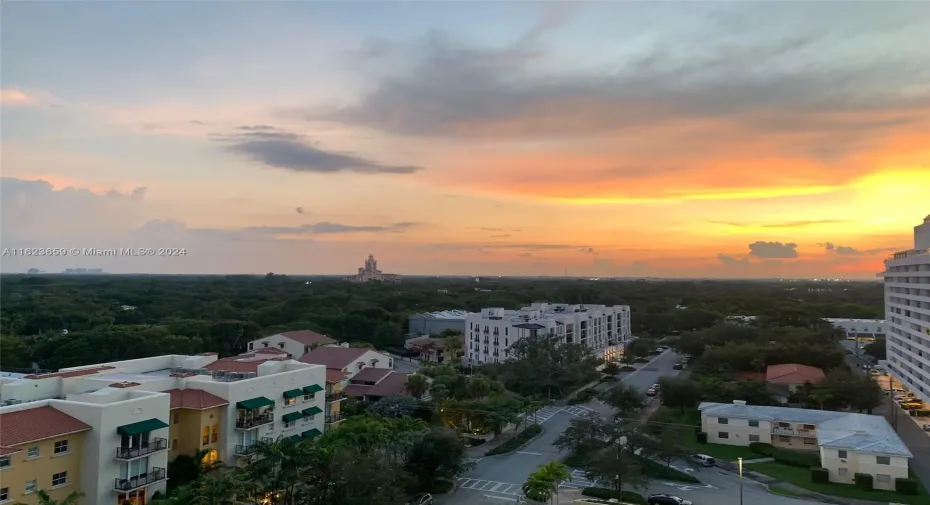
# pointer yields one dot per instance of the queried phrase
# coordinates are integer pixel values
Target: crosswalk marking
(578, 481)
(579, 410)
(490, 486)
(544, 414)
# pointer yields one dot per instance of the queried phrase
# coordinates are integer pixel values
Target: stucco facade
(36, 464)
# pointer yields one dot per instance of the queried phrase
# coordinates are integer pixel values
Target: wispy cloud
(788, 224)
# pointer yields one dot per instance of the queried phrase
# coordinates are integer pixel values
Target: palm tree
(218, 489)
(417, 385)
(544, 482)
(45, 499)
(538, 489)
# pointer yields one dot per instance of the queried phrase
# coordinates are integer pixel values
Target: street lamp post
(740, 463)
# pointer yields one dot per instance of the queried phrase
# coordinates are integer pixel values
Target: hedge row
(609, 494)
(518, 441)
(796, 458)
(820, 475)
(762, 449)
(906, 486)
(583, 396)
(863, 481)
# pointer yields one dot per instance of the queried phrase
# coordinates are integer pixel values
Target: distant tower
(371, 264)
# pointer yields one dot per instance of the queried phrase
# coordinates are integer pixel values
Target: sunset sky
(693, 139)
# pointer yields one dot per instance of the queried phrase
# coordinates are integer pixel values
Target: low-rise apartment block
(491, 332)
(849, 443)
(109, 430)
(294, 343)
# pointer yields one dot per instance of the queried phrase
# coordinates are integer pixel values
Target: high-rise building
(907, 313)
(491, 332)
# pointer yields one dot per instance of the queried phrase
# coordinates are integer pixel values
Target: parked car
(704, 460)
(421, 499)
(666, 499)
(927, 427)
(651, 392)
(677, 366)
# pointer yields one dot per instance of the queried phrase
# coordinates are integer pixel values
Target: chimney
(739, 402)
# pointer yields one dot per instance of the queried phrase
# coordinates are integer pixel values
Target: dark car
(677, 366)
(666, 499)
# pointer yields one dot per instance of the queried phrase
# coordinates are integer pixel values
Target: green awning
(141, 427)
(311, 433)
(294, 438)
(312, 411)
(293, 416)
(313, 389)
(294, 393)
(254, 403)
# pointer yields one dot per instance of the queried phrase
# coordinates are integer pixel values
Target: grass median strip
(518, 441)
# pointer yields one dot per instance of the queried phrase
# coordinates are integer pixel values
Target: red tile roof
(9, 450)
(270, 350)
(393, 385)
(22, 426)
(333, 357)
(71, 373)
(792, 373)
(248, 362)
(333, 375)
(195, 399)
(308, 337)
(370, 375)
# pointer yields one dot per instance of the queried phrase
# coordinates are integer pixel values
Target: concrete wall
(843, 470)
(738, 431)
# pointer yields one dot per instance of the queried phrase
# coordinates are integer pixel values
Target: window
(61, 447)
(206, 435)
(841, 454)
(288, 402)
(251, 345)
(308, 396)
(723, 434)
(177, 418)
(174, 445)
(753, 438)
(882, 478)
(843, 471)
(4, 461)
(59, 479)
(289, 424)
(215, 435)
(4, 493)
(753, 424)
(810, 441)
(723, 420)
(808, 427)
(882, 460)
(33, 453)
(31, 486)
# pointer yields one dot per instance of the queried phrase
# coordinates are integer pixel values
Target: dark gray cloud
(263, 233)
(588, 250)
(841, 249)
(762, 249)
(728, 260)
(789, 224)
(282, 149)
(516, 247)
(504, 235)
(299, 210)
(770, 82)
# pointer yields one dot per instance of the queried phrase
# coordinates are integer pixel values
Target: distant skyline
(610, 139)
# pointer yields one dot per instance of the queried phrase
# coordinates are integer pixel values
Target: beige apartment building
(848, 443)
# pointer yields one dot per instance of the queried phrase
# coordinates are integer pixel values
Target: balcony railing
(245, 450)
(790, 432)
(154, 445)
(335, 397)
(154, 475)
(251, 422)
(334, 418)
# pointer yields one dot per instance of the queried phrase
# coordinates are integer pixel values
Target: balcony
(334, 418)
(153, 445)
(248, 423)
(245, 450)
(791, 432)
(129, 484)
(335, 397)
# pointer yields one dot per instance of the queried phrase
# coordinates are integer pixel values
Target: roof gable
(307, 337)
(29, 425)
(333, 357)
(793, 373)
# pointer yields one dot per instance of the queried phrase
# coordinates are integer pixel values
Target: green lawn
(801, 477)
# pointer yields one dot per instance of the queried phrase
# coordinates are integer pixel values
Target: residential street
(497, 479)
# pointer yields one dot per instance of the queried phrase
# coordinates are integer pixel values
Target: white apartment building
(295, 343)
(907, 313)
(491, 332)
(136, 415)
(848, 443)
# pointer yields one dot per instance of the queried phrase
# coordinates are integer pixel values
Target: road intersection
(500, 478)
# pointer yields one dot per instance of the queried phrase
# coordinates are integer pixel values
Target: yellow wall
(42, 468)
(333, 408)
(187, 428)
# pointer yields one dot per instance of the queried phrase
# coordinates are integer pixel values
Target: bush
(609, 494)
(702, 437)
(920, 413)
(583, 396)
(577, 459)
(474, 442)
(628, 368)
(608, 378)
(641, 360)
(762, 449)
(820, 475)
(863, 481)
(518, 441)
(796, 458)
(442, 486)
(906, 486)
